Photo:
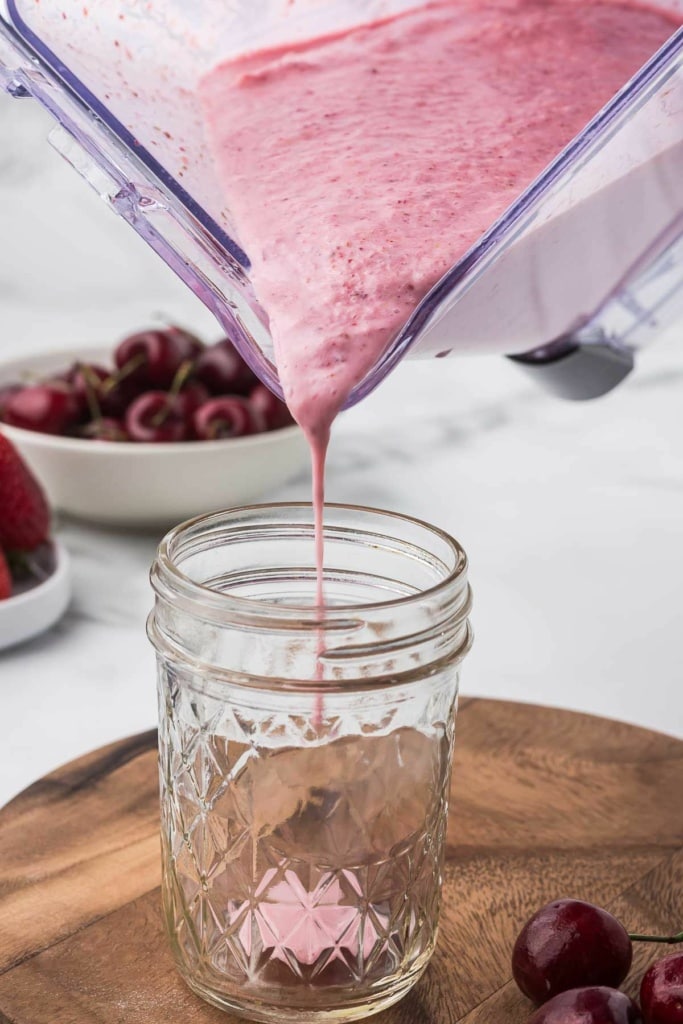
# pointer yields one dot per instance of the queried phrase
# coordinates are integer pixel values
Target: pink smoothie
(359, 168)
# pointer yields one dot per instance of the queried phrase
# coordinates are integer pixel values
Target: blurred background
(572, 514)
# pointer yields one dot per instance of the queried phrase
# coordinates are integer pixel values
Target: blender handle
(599, 352)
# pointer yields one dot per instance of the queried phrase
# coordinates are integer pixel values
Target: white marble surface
(572, 514)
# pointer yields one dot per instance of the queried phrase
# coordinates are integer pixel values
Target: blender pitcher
(585, 267)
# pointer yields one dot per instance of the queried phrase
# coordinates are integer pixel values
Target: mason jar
(305, 754)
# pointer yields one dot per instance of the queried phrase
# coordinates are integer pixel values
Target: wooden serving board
(546, 804)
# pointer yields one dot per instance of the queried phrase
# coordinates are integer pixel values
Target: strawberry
(5, 578)
(24, 511)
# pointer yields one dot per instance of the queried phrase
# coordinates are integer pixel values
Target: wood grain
(546, 803)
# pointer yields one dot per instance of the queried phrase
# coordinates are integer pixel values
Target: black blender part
(578, 367)
(599, 353)
(569, 282)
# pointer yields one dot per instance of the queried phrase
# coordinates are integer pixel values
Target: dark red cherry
(221, 368)
(152, 358)
(227, 416)
(105, 429)
(589, 1006)
(275, 413)
(45, 408)
(661, 991)
(155, 418)
(86, 381)
(6, 392)
(116, 395)
(570, 944)
(191, 397)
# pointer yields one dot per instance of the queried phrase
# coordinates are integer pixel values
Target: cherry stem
(130, 367)
(669, 940)
(160, 417)
(179, 381)
(91, 384)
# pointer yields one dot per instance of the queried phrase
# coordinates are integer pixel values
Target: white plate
(148, 484)
(34, 611)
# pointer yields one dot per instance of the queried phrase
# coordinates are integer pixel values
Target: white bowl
(132, 484)
(37, 609)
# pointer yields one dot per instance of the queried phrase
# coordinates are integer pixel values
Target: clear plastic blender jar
(583, 268)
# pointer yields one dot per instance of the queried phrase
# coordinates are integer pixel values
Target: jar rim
(165, 569)
(431, 616)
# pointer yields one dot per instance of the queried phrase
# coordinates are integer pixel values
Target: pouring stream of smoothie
(359, 168)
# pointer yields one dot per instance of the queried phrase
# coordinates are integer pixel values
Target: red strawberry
(24, 511)
(5, 578)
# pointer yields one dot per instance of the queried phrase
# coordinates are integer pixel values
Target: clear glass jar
(305, 757)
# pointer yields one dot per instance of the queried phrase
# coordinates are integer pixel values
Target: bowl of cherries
(161, 429)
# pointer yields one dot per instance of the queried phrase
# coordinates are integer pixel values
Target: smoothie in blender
(360, 167)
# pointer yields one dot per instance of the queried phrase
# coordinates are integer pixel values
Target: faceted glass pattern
(302, 865)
